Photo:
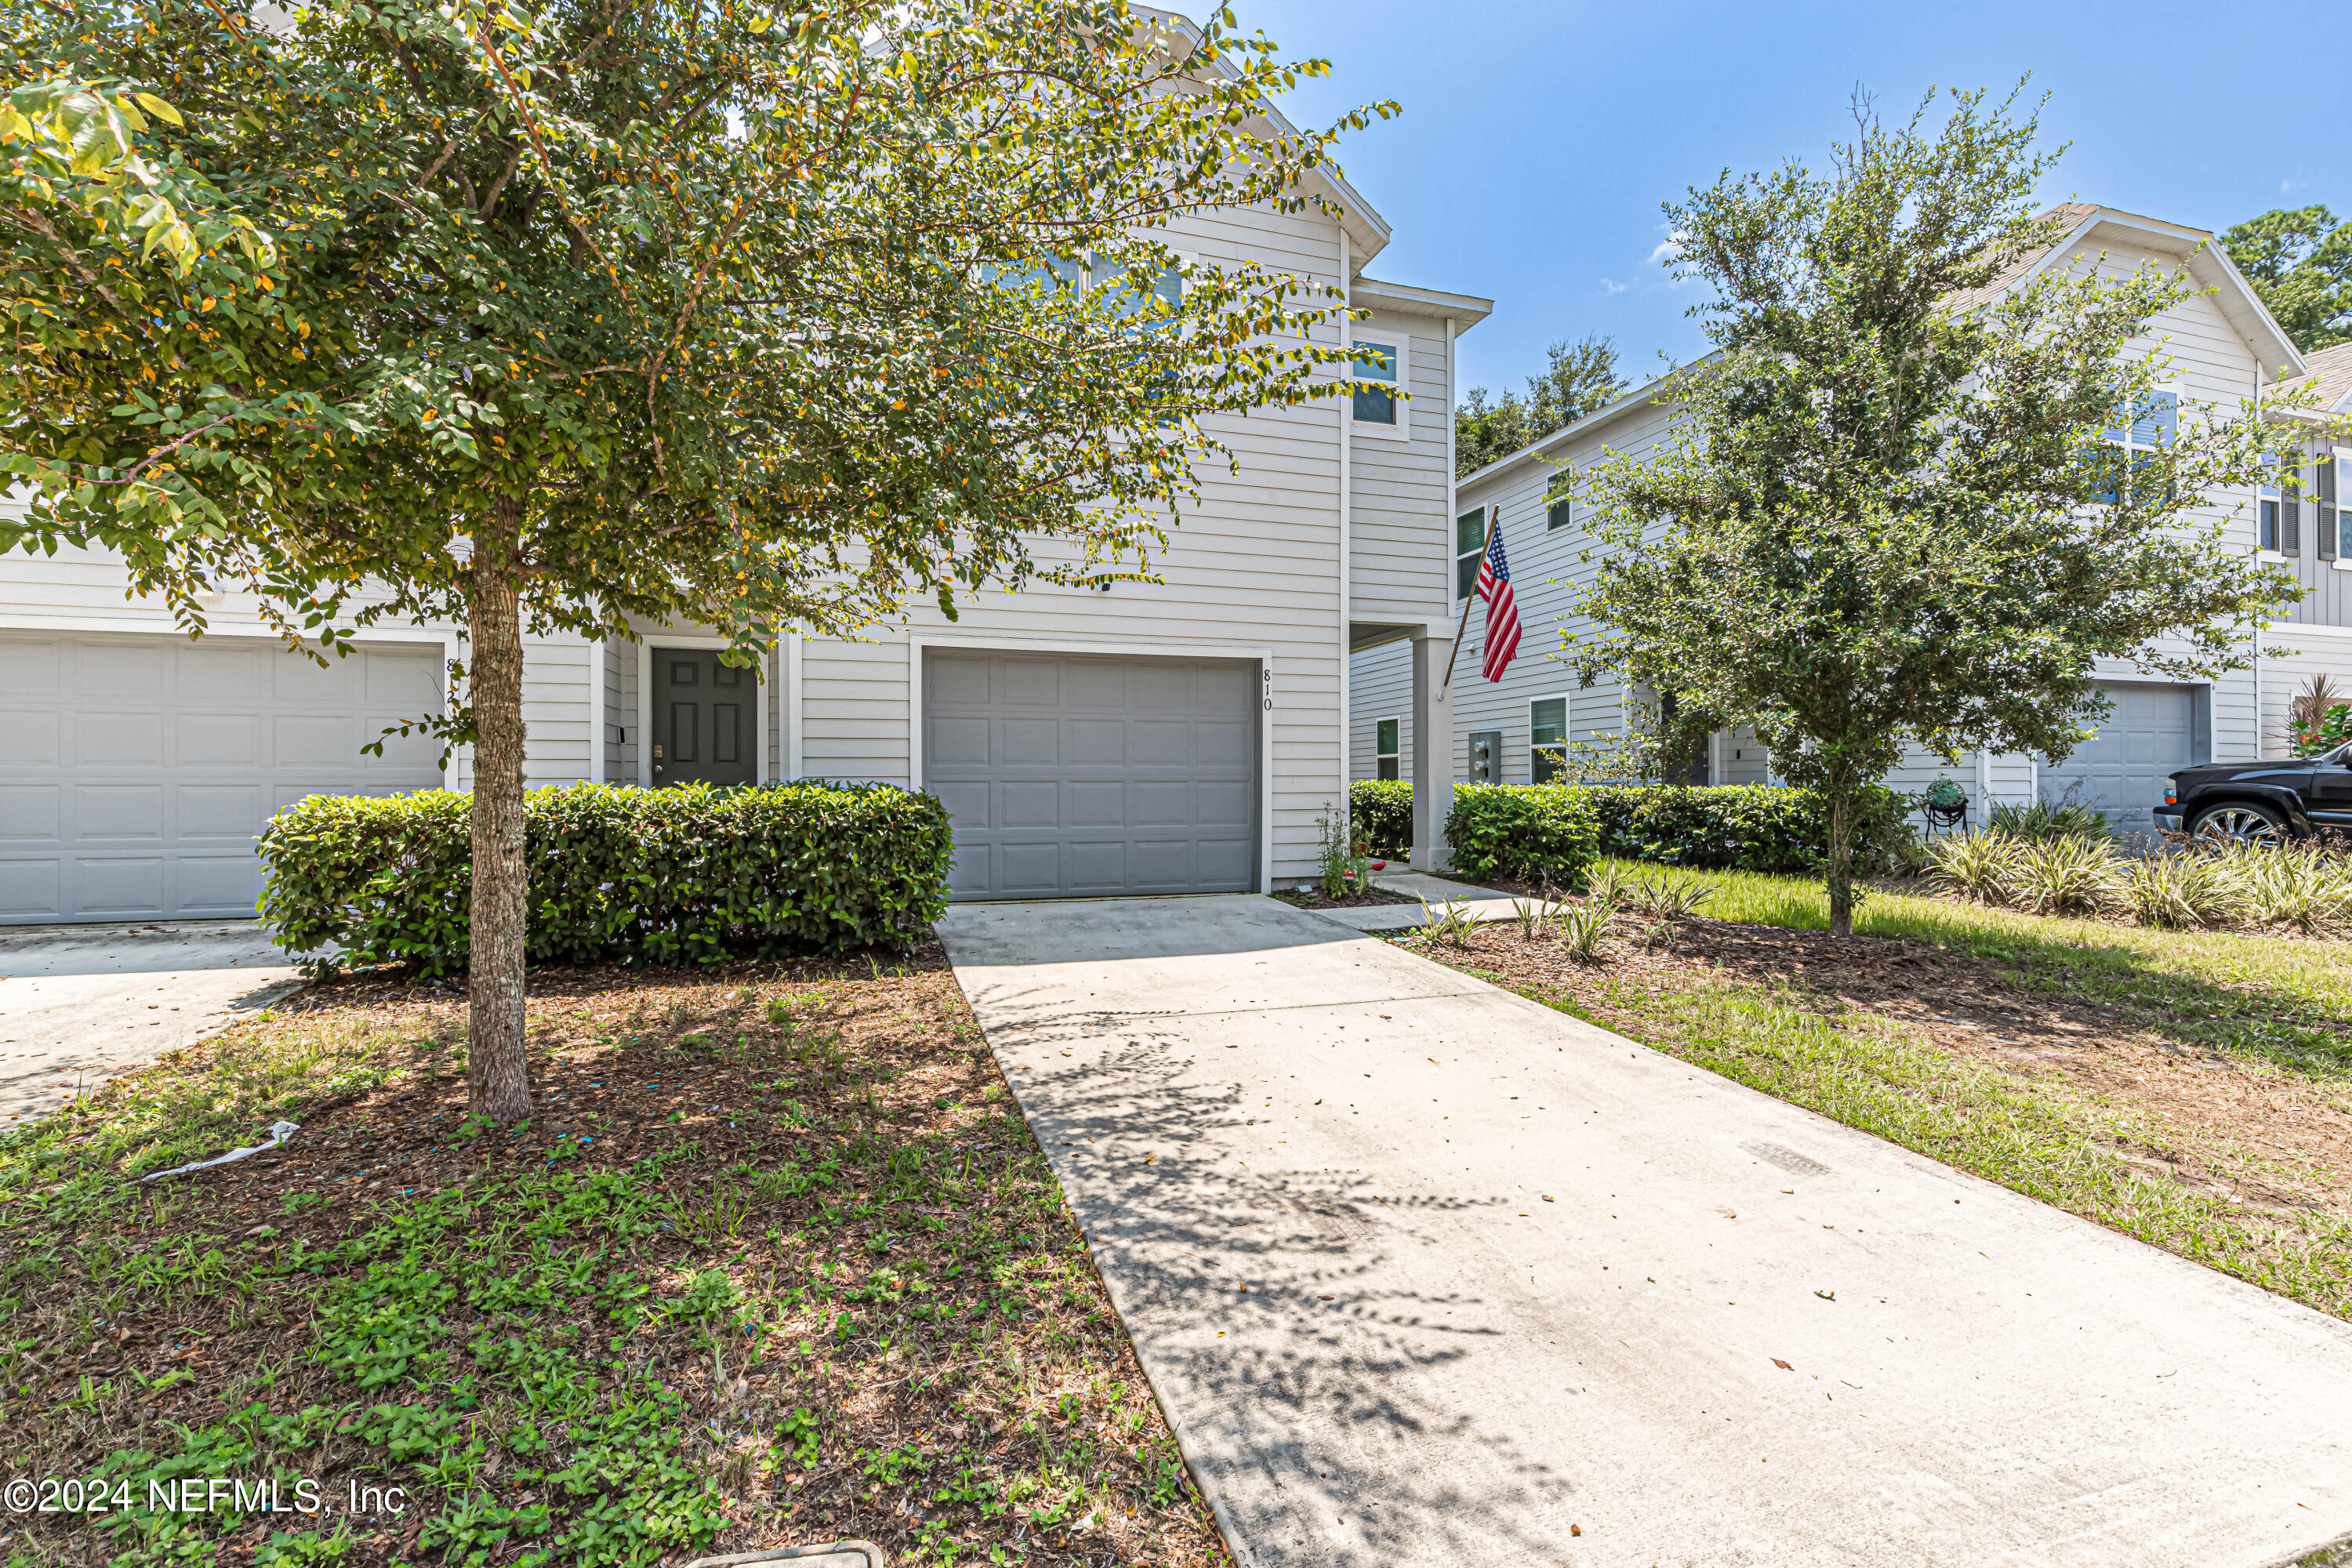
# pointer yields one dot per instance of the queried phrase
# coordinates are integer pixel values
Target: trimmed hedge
(1536, 831)
(686, 875)
(1543, 833)
(1380, 813)
(1741, 828)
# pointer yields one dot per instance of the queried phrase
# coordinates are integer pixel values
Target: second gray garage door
(2153, 732)
(1068, 776)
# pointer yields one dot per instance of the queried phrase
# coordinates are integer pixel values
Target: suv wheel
(2238, 822)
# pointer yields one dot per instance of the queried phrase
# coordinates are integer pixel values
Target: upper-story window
(2137, 434)
(2331, 475)
(2278, 506)
(1558, 509)
(1469, 543)
(1378, 371)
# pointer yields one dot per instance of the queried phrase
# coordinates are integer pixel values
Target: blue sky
(1538, 140)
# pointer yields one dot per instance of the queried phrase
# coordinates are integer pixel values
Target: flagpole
(1494, 519)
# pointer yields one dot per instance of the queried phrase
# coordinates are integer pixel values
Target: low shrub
(2183, 891)
(2301, 886)
(1542, 833)
(686, 875)
(1743, 827)
(1380, 814)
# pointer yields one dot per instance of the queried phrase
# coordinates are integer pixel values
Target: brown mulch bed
(1368, 897)
(933, 1306)
(2292, 1135)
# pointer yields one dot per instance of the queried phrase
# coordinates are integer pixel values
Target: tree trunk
(498, 1075)
(1841, 848)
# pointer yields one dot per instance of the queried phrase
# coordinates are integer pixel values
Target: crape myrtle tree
(571, 314)
(1914, 497)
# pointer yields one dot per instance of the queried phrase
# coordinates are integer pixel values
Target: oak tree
(586, 315)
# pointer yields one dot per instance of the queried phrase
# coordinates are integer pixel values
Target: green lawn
(2283, 998)
(776, 1262)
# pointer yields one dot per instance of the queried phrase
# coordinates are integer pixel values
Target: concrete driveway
(80, 1004)
(1425, 1273)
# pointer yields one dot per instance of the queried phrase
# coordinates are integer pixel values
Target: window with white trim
(1384, 747)
(1469, 543)
(1547, 739)
(1378, 371)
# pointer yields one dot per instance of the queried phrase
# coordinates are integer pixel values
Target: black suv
(2261, 802)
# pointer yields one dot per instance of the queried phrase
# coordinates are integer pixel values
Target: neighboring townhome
(2224, 346)
(1177, 736)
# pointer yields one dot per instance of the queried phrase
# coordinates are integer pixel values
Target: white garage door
(1067, 776)
(2153, 732)
(135, 772)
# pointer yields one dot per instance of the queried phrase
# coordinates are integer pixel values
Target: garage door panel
(411, 755)
(959, 742)
(1104, 775)
(141, 772)
(218, 885)
(966, 804)
(1028, 743)
(107, 887)
(1090, 684)
(30, 814)
(119, 739)
(1028, 802)
(1025, 683)
(219, 675)
(315, 741)
(108, 672)
(1097, 742)
(1028, 867)
(1098, 866)
(29, 891)
(1096, 802)
(215, 812)
(220, 740)
(33, 737)
(119, 811)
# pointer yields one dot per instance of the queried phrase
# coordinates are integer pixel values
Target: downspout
(1346, 541)
(1446, 527)
(2256, 634)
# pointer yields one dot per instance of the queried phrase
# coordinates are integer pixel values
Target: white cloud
(1610, 286)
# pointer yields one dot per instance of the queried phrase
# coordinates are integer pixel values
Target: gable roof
(1368, 232)
(2082, 223)
(2331, 373)
(2088, 224)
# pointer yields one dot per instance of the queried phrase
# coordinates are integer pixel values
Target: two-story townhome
(1181, 735)
(2223, 347)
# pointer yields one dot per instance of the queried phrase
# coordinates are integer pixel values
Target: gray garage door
(135, 772)
(1069, 776)
(2153, 731)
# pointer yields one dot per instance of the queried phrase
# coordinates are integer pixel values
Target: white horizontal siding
(1380, 685)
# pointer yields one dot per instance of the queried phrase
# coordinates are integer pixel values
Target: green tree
(1577, 378)
(1896, 507)
(2300, 261)
(574, 315)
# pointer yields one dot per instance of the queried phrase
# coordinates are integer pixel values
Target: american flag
(1502, 610)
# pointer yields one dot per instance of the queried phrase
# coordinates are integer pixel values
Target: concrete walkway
(1479, 904)
(80, 1004)
(1425, 1273)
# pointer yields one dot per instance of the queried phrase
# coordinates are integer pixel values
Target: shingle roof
(2331, 372)
(2070, 216)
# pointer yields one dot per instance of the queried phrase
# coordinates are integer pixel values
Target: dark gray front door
(704, 714)
(1066, 776)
